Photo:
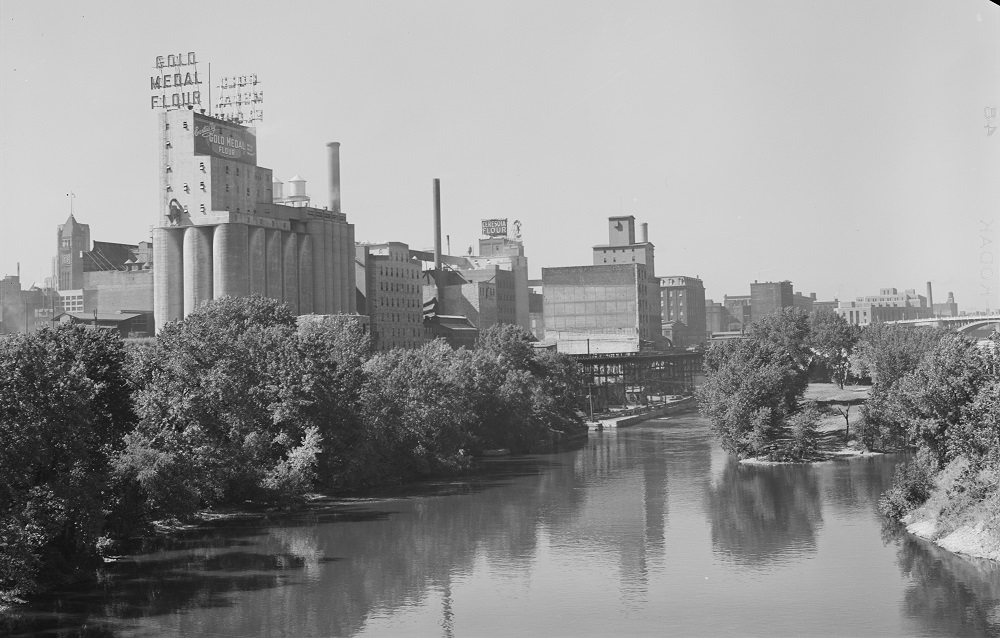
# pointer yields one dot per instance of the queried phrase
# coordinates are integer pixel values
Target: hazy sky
(842, 145)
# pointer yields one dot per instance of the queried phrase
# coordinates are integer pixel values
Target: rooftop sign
(176, 83)
(495, 227)
(240, 99)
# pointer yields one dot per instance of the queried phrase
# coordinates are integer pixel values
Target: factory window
(227, 170)
(187, 189)
(201, 185)
(227, 188)
(169, 145)
(202, 208)
(201, 165)
(169, 169)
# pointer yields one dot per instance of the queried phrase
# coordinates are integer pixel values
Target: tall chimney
(334, 153)
(437, 239)
(643, 233)
(930, 298)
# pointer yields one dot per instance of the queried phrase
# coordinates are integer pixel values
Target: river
(646, 531)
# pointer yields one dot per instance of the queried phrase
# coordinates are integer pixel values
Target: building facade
(768, 297)
(682, 300)
(393, 298)
(600, 309)
(224, 231)
(888, 305)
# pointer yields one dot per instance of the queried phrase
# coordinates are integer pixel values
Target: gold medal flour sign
(176, 83)
(232, 142)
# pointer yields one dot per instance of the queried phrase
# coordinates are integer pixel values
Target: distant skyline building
(888, 305)
(768, 297)
(948, 308)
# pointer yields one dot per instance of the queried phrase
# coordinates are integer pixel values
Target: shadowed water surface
(650, 530)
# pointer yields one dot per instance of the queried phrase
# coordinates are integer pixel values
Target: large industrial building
(612, 306)
(224, 230)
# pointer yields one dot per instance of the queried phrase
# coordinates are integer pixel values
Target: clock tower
(73, 239)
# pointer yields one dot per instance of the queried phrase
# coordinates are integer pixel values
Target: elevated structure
(222, 231)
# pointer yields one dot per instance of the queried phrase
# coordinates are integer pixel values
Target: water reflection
(618, 530)
(945, 596)
(765, 514)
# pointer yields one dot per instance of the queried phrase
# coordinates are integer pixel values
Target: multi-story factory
(612, 306)
(224, 230)
(392, 283)
(683, 304)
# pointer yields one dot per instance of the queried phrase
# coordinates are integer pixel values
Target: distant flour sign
(232, 142)
(495, 227)
(176, 83)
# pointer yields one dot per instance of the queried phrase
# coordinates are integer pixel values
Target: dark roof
(108, 256)
(101, 316)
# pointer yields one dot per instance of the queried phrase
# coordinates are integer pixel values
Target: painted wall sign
(176, 83)
(228, 142)
(495, 227)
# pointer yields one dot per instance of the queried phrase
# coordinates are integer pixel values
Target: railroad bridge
(637, 377)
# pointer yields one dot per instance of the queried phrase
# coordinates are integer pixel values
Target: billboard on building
(495, 227)
(212, 137)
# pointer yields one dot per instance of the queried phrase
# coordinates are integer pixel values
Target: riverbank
(958, 516)
(639, 414)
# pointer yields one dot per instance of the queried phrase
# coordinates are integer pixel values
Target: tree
(788, 330)
(751, 386)
(933, 398)
(64, 407)
(832, 341)
(417, 411)
(231, 397)
(886, 353)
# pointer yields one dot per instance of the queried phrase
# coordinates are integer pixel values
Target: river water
(645, 531)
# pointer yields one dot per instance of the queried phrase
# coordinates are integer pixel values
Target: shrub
(911, 487)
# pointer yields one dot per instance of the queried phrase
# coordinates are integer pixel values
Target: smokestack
(437, 239)
(930, 298)
(643, 233)
(334, 153)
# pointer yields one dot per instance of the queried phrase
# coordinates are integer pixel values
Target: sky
(842, 146)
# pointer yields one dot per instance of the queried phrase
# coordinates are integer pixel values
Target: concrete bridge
(978, 326)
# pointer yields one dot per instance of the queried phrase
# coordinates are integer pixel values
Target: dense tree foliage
(947, 406)
(240, 403)
(885, 354)
(64, 409)
(751, 386)
(832, 340)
